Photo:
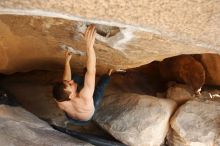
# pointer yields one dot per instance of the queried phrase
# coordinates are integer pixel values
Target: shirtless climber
(77, 96)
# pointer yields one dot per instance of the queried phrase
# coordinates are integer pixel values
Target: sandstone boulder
(33, 42)
(196, 123)
(137, 120)
(132, 33)
(192, 26)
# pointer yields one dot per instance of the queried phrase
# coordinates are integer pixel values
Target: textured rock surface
(211, 64)
(180, 93)
(148, 30)
(196, 123)
(136, 119)
(19, 127)
(183, 69)
(29, 43)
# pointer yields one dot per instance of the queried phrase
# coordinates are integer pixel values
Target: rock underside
(130, 34)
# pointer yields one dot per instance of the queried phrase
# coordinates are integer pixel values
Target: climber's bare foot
(118, 70)
(198, 92)
(110, 72)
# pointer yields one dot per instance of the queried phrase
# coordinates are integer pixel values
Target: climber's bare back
(78, 108)
(81, 105)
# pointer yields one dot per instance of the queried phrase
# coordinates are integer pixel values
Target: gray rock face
(196, 123)
(19, 127)
(136, 119)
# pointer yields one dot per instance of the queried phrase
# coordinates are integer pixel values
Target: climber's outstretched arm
(89, 83)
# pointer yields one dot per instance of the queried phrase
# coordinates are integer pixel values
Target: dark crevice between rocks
(98, 141)
(7, 99)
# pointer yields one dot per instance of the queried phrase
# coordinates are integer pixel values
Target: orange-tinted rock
(183, 69)
(211, 64)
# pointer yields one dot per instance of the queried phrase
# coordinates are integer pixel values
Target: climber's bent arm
(67, 69)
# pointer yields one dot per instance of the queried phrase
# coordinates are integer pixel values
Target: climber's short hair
(59, 93)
